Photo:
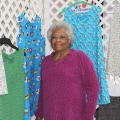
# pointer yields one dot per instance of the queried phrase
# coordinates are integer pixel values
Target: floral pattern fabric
(88, 38)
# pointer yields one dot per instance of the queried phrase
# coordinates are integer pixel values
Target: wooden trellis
(49, 10)
(9, 11)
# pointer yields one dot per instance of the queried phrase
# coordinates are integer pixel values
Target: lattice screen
(56, 6)
(107, 16)
(9, 11)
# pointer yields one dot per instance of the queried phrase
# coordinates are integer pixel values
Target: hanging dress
(12, 104)
(88, 38)
(33, 43)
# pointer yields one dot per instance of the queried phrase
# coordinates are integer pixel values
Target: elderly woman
(69, 85)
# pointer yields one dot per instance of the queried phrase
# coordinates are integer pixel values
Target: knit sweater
(69, 88)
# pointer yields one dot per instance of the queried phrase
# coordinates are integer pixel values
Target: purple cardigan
(69, 88)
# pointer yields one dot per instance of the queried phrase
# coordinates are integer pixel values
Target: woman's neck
(60, 54)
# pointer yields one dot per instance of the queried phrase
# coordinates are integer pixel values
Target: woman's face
(59, 40)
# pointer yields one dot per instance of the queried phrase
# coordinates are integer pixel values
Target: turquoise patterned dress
(88, 38)
(33, 43)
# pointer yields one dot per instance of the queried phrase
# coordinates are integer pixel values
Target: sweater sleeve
(91, 87)
(39, 111)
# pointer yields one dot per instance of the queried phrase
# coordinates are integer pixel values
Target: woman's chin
(59, 49)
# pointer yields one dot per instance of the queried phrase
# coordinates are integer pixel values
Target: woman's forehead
(60, 31)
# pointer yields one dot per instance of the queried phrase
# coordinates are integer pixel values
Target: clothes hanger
(79, 2)
(29, 11)
(7, 41)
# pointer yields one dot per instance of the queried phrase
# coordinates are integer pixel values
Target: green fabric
(12, 104)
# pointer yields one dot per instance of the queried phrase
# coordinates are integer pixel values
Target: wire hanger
(7, 41)
(79, 2)
(29, 11)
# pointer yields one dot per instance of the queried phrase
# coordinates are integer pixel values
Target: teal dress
(12, 104)
(88, 38)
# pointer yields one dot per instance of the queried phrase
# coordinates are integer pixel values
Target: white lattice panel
(53, 13)
(107, 16)
(56, 6)
(9, 11)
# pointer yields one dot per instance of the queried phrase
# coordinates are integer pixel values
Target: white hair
(60, 24)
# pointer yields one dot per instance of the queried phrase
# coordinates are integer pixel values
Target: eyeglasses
(60, 37)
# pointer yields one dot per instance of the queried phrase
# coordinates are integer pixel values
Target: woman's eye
(60, 38)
